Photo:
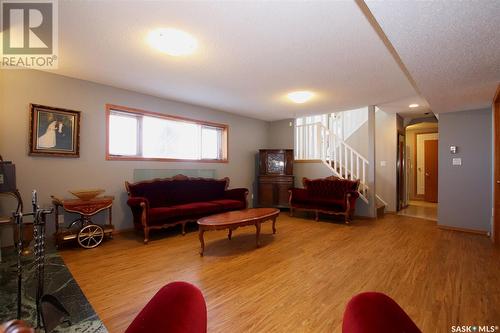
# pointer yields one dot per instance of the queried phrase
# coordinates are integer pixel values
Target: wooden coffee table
(235, 219)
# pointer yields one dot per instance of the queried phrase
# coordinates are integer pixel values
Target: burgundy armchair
(373, 312)
(162, 203)
(178, 307)
(331, 195)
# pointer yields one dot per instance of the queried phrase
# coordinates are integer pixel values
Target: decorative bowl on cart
(87, 194)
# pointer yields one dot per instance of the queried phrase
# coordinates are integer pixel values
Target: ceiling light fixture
(300, 97)
(413, 106)
(172, 41)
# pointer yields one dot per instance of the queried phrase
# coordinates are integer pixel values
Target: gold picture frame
(54, 131)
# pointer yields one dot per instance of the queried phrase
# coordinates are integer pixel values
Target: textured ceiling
(451, 48)
(402, 108)
(251, 54)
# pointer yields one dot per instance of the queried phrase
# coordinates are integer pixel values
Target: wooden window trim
(126, 109)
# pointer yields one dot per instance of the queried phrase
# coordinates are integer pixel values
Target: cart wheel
(90, 236)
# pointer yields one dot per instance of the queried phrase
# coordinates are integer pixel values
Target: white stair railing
(317, 142)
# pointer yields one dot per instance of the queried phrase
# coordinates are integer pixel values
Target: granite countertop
(58, 282)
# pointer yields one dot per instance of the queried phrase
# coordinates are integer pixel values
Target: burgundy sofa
(331, 195)
(162, 203)
(178, 307)
(373, 312)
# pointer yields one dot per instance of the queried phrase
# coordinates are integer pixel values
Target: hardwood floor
(421, 209)
(301, 278)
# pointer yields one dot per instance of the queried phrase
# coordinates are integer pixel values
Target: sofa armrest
(239, 194)
(134, 202)
(297, 194)
(353, 194)
(140, 209)
(351, 197)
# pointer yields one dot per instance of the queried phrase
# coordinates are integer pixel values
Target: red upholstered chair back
(373, 312)
(179, 190)
(330, 187)
(178, 307)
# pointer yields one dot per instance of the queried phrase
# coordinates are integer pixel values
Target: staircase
(324, 140)
(316, 141)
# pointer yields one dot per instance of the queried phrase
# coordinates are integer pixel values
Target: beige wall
(281, 134)
(55, 176)
(386, 157)
(310, 169)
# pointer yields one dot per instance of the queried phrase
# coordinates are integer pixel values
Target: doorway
(421, 164)
(400, 170)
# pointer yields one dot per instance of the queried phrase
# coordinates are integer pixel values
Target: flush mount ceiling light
(300, 97)
(172, 41)
(413, 106)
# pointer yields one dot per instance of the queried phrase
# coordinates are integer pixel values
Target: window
(135, 134)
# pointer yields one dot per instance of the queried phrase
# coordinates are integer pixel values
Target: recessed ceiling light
(300, 97)
(413, 106)
(172, 41)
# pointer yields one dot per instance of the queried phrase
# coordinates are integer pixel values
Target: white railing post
(352, 165)
(357, 167)
(320, 143)
(346, 162)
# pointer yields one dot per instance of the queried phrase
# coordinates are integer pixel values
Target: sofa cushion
(195, 190)
(228, 204)
(164, 213)
(321, 203)
(330, 204)
(198, 208)
(179, 190)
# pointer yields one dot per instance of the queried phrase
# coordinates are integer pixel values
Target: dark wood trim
(125, 109)
(495, 234)
(116, 107)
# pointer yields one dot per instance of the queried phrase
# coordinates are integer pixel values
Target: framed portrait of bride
(54, 131)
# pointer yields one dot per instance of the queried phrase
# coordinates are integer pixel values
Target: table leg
(274, 225)
(257, 227)
(110, 216)
(56, 218)
(230, 233)
(202, 241)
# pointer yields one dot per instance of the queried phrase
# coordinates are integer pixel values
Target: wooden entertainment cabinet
(275, 177)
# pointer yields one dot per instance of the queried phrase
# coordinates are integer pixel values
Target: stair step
(380, 211)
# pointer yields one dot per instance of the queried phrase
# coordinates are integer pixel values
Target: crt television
(7, 176)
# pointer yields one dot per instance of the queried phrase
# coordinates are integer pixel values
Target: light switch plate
(457, 161)
(383, 163)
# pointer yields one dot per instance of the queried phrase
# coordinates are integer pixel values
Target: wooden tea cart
(87, 233)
